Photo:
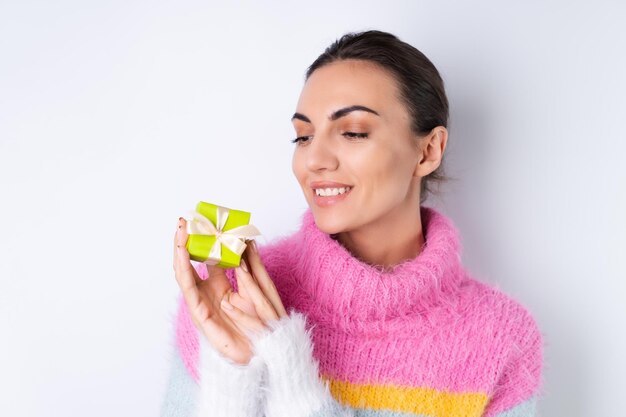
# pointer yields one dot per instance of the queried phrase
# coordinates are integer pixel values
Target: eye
(352, 135)
(300, 139)
(355, 134)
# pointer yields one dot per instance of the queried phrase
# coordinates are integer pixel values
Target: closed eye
(300, 139)
(352, 135)
(355, 134)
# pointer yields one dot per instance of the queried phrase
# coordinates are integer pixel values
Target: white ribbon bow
(233, 239)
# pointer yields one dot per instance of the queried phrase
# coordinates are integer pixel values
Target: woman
(383, 318)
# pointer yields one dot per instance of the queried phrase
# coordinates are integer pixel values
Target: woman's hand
(203, 298)
(256, 285)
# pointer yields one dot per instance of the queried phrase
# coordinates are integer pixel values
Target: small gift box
(217, 234)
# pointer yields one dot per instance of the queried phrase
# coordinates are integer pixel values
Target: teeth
(326, 192)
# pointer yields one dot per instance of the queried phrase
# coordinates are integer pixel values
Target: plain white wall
(117, 117)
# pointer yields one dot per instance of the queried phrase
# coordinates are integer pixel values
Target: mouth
(331, 191)
(330, 196)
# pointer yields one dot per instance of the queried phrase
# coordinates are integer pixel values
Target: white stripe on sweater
(228, 389)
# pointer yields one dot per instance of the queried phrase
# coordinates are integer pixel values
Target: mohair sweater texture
(422, 338)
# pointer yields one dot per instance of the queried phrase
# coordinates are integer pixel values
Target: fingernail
(244, 265)
(253, 246)
(180, 222)
(226, 305)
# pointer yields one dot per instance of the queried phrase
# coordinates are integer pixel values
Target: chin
(329, 222)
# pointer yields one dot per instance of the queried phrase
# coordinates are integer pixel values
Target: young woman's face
(371, 154)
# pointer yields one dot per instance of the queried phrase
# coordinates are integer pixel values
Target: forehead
(349, 82)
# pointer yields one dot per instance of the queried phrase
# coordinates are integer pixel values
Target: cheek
(297, 166)
(372, 166)
(385, 173)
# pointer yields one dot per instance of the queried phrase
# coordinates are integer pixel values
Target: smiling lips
(328, 193)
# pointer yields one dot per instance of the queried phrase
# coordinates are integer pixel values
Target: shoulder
(505, 331)
(502, 317)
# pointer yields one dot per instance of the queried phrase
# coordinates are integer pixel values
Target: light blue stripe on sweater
(181, 390)
(336, 410)
(525, 409)
(376, 413)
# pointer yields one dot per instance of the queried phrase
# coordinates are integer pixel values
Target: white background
(117, 117)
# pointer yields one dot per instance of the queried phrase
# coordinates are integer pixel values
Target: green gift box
(217, 234)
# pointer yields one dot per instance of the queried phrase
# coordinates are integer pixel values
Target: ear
(432, 147)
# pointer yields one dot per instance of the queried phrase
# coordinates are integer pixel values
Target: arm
(211, 385)
(294, 386)
(518, 388)
(228, 389)
(224, 388)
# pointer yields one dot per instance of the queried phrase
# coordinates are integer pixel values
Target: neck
(371, 242)
(322, 277)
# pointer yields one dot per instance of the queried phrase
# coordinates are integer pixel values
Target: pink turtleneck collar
(319, 276)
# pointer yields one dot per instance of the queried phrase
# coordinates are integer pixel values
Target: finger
(187, 278)
(201, 311)
(180, 239)
(178, 226)
(241, 302)
(263, 279)
(188, 286)
(262, 305)
(248, 324)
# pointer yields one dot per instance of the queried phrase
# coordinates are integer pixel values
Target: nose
(321, 154)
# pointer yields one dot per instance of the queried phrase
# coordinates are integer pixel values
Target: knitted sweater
(423, 338)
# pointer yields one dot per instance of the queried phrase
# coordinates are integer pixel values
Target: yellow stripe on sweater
(420, 401)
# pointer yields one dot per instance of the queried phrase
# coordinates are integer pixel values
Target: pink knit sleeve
(518, 388)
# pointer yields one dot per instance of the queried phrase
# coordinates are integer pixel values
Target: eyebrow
(336, 114)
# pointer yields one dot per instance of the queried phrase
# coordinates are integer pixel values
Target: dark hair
(420, 84)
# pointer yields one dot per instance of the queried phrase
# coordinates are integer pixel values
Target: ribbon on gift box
(233, 239)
